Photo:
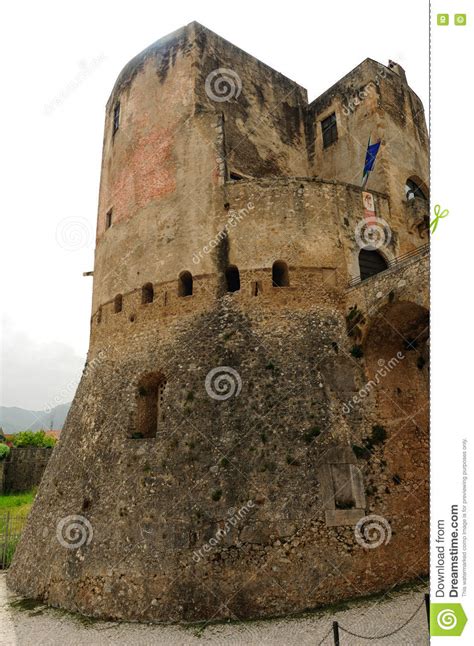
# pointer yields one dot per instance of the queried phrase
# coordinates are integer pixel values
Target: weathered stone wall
(373, 101)
(310, 440)
(153, 503)
(24, 467)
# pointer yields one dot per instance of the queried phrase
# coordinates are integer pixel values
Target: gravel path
(38, 625)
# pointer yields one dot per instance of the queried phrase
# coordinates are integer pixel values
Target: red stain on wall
(143, 172)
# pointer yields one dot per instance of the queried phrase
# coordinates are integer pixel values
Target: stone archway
(397, 359)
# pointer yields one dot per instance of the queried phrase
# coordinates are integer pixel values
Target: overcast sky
(60, 61)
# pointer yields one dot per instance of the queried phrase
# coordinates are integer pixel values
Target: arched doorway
(280, 274)
(232, 277)
(185, 284)
(371, 262)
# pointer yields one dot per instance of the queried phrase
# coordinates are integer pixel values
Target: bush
(32, 438)
(4, 451)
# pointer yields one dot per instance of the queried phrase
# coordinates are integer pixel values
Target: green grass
(14, 508)
(17, 501)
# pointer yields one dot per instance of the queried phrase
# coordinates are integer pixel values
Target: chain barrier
(389, 634)
(393, 632)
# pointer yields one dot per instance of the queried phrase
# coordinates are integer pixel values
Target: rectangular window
(116, 118)
(108, 219)
(150, 406)
(329, 128)
(342, 486)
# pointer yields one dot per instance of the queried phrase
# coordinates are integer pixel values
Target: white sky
(60, 61)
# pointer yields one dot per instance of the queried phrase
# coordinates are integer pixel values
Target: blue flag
(371, 154)
(372, 150)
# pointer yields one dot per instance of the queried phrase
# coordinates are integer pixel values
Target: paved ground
(22, 624)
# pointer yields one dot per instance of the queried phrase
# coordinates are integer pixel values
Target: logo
(74, 532)
(443, 19)
(223, 382)
(372, 531)
(447, 619)
(460, 19)
(223, 84)
(73, 233)
(372, 233)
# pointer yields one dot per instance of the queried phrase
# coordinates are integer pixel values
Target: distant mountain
(13, 419)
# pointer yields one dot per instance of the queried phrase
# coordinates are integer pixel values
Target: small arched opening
(150, 392)
(232, 277)
(371, 262)
(280, 274)
(147, 293)
(118, 303)
(415, 188)
(185, 284)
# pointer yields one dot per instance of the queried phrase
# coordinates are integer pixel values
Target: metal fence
(11, 527)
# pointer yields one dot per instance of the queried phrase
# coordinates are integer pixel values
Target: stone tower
(256, 383)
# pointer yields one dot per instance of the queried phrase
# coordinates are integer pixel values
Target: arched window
(414, 188)
(147, 293)
(185, 284)
(371, 263)
(232, 277)
(118, 303)
(280, 275)
(99, 314)
(150, 393)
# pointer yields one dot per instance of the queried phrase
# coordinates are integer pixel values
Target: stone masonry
(247, 398)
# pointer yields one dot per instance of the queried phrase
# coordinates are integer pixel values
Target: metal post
(335, 630)
(427, 606)
(5, 541)
(2, 544)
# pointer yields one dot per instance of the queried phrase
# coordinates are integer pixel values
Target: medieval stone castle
(257, 379)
